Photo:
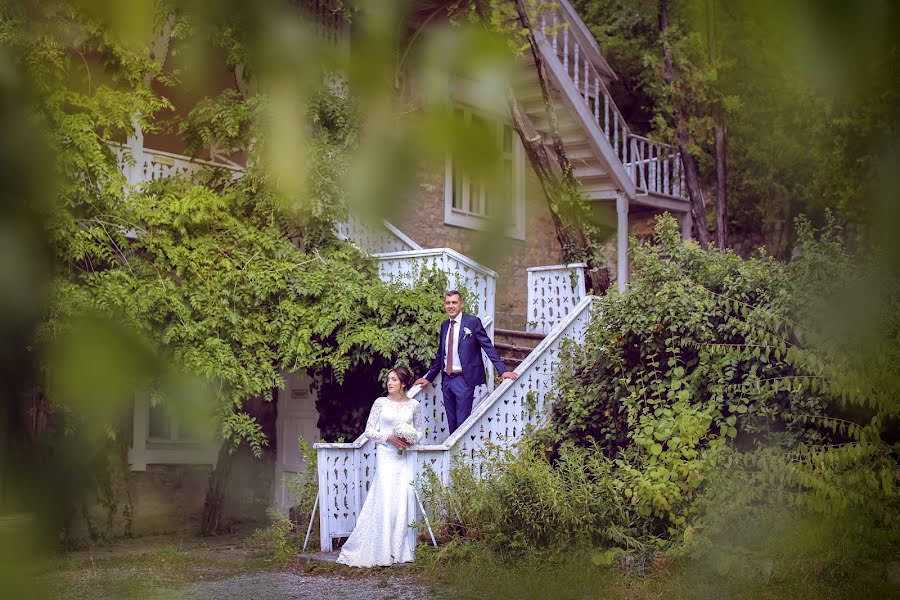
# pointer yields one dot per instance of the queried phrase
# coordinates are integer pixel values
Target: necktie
(450, 348)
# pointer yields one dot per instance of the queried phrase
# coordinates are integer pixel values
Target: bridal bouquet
(407, 433)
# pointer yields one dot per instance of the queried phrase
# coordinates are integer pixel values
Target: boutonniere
(466, 332)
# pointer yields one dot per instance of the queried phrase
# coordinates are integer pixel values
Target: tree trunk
(682, 136)
(721, 186)
(212, 519)
(554, 174)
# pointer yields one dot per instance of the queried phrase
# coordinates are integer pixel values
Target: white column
(135, 145)
(138, 455)
(622, 240)
(687, 224)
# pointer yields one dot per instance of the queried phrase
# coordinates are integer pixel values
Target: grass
(466, 572)
(145, 572)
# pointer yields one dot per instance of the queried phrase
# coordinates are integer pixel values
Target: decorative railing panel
(375, 239)
(140, 164)
(553, 293)
(404, 267)
(653, 167)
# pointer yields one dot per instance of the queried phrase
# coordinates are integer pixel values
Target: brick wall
(423, 220)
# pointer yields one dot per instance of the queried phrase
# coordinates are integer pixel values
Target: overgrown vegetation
(283, 538)
(713, 414)
(202, 290)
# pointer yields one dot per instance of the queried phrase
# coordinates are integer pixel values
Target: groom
(459, 360)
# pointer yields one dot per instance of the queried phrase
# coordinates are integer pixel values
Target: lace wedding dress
(381, 534)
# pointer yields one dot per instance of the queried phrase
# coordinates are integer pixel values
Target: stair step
(514, 346)
(512, 350)
(593, 171)
(511, 363)
(518, 333)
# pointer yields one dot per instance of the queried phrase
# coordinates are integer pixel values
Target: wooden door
(297, 418)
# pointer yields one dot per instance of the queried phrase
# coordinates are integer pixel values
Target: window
(163, 426)
(160, 437)
(471, 203)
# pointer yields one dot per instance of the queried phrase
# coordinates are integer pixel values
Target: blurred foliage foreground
(738, 415)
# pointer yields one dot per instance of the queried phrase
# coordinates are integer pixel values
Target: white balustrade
(653, 167)
(140, 164)
(656, 168)
(375, 239)
(462, 272)
(503, 417)
(553, 293)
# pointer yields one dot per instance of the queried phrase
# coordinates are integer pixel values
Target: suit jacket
(470, 347)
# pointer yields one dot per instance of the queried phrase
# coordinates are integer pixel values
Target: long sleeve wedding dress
(381, 534)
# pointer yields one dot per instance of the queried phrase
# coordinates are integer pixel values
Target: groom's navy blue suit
(459, 390)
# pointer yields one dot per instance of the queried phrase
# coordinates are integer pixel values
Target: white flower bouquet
(407, 433)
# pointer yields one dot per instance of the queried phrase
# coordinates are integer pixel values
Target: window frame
(463, 216)
(174, 427)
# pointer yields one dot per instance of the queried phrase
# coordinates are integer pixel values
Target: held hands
(399, 442)
(510, 375)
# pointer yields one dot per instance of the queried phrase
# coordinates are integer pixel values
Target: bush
(713, 412)
(523, 502)
(284, 536)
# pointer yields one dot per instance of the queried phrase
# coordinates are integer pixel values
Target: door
(297, 418)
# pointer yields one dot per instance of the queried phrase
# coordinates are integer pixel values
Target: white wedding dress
(381, 535)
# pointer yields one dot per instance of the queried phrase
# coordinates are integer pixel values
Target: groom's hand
(510, 375)
(422, 381)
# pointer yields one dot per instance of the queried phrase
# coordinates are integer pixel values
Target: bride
(382, 527)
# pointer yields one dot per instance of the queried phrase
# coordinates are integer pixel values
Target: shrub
(284, 536)
(724, 400)
(523, 502)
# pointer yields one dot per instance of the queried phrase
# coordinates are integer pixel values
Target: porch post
(135, 144)
(622, 240)
(687, 224)
(138, 454)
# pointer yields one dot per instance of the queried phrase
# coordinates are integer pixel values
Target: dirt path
(223, 568)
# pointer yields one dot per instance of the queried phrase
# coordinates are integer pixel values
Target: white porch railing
(656, 168)
(140, 164)
(375, 239)
(653, 167)
(553, 292)
(346, 470)
(462, 272)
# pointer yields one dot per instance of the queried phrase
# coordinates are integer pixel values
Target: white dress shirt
(457, 367)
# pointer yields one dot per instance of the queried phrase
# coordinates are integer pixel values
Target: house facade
(627, 178)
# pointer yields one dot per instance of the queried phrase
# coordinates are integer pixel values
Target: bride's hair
(404, 375)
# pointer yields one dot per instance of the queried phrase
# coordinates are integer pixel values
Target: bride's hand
(400, 443)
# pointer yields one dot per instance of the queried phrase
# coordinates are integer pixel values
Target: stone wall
(169, 498)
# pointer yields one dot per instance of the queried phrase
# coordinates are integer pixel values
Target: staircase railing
(504, 416)
(462, 272)
(553, 292)
(652, 167)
